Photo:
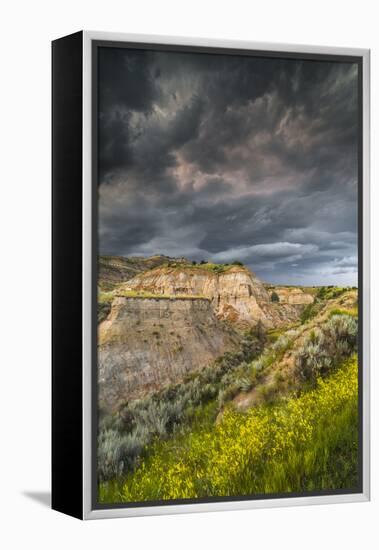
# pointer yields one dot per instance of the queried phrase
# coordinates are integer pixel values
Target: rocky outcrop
(293, 296)
(146, 343)
(236, 294)
(176, 318)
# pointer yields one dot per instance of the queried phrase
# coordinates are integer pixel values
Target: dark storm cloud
(126, 79)
(126, 84)
(230, 157)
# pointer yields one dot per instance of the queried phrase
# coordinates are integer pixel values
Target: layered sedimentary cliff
(170, 320)
(146, 343)
(236, 294)
(293, 296)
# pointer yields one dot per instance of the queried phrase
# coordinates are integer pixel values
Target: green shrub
(279, 377)
(330, 292)
(342, 327)
(259, 333)
(269, 393)
(310, 311)
(275, 297)
(228, 393)
(117, 453)
(325, 347)
(281, 344)
(245, 384)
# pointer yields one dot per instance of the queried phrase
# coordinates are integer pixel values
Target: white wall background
(27, 27)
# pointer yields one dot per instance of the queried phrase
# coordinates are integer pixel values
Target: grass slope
(305, 443)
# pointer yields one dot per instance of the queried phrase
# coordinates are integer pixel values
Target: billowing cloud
(230, 158)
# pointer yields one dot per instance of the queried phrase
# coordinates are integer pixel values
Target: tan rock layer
(237, 295)
(293, 296)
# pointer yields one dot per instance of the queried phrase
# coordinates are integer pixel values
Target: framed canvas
(210, 275)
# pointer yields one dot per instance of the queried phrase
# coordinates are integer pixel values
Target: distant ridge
(118, 269)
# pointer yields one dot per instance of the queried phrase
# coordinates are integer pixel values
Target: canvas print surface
(227, 333)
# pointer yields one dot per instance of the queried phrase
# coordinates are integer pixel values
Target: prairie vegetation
(299, 432)
(124, 437)
(205, 265)
(303, 443)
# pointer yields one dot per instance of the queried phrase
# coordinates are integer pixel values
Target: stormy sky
(227, 158)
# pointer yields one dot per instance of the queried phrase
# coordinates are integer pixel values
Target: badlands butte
(162, 318)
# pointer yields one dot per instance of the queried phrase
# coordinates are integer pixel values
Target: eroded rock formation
(293, 296)
(167, 321)
(236, 294)
(146, 343)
